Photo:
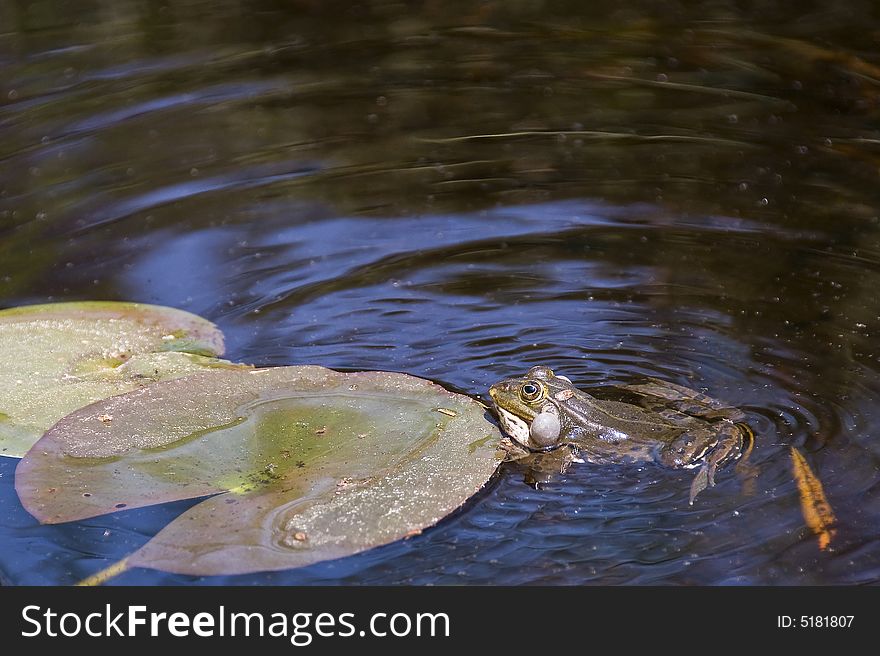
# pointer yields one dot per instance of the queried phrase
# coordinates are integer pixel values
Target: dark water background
(460, 190)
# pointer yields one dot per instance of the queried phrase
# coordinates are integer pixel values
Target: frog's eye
(530, 391)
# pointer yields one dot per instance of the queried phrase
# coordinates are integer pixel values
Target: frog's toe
(701, 482)
(705, 478)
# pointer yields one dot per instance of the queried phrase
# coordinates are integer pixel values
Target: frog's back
(620, 422)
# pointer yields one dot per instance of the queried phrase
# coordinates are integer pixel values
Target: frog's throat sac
(518, 429)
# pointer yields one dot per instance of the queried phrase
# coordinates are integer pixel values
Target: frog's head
(529, 407)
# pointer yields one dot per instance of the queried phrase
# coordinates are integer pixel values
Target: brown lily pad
(63, 356)
(305, 463)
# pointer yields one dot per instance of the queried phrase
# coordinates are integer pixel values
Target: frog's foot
(513, 451)
(542, 468)
(728, 447)
(684, 400)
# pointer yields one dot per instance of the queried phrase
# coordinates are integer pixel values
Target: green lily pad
(63, 356)
(306, 464)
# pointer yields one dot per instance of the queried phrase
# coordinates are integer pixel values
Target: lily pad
(62, 356)
(306, 464)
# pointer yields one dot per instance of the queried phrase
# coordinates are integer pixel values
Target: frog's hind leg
(730, 445)
(685, 400)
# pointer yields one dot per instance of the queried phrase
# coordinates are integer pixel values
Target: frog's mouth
(518, 429)
(514, 426)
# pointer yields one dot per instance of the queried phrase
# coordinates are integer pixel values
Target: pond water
(463, 190)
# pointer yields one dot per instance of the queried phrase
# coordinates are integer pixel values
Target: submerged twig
(818, 513)
(105, 574)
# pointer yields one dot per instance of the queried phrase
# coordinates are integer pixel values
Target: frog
(669, 424)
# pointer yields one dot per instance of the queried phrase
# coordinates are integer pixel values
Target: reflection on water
(461, 191)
